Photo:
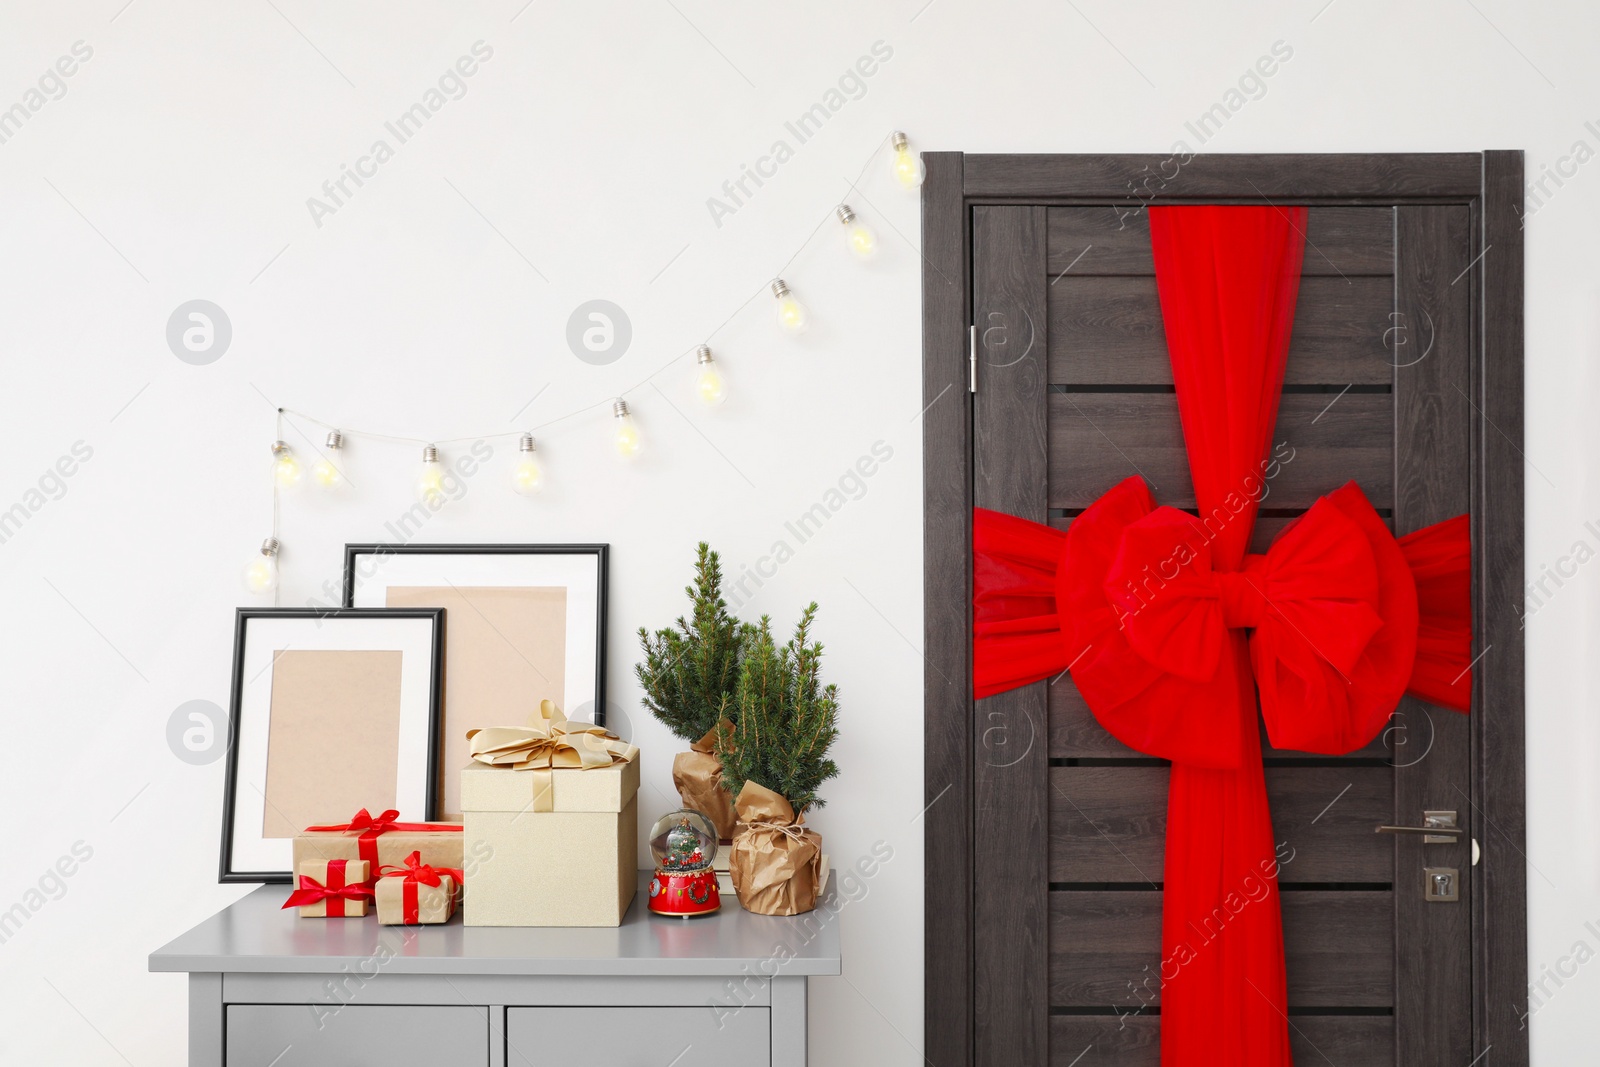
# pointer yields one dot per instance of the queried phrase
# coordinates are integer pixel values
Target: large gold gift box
(571, 865)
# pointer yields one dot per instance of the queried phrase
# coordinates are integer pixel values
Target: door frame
(1491, 182)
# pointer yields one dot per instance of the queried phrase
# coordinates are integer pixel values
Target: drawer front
(355, 1035)
(639, 1037)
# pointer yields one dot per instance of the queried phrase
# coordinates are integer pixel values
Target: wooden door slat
(1098, 439)
(1110, 240)
(1109, 824)
(1074, 734)
(1135, 1040)
(1338, 946)
(1108, 331)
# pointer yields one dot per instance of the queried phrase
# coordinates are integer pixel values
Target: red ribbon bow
(371, 827)
(1332, 609)
(336, 892)
(415, 872)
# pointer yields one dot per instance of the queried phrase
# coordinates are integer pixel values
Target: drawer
(639, 1037)
(355, 1035)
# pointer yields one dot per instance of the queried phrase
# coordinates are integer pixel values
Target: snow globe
(685, 844)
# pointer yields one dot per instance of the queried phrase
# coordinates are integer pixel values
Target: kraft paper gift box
(553, 815)
(381, 841)
(416, 893)
(331, 889)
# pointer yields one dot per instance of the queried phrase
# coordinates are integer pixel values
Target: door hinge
(972, 359)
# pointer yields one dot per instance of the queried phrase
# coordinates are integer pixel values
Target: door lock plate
(1441, 885)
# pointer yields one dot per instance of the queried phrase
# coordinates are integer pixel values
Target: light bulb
(711, 387)
(325, 472)
(857, 234)
(626, 440)
(430, 478)
(261, 573)
(908, 170)
(791, 313)
(285, 465)
(526, 475)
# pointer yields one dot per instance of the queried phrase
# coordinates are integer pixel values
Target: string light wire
(289, 414)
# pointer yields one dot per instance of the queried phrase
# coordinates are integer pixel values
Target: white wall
(178, 163)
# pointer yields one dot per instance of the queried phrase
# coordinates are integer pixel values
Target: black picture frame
(226, 873)
(601, 552)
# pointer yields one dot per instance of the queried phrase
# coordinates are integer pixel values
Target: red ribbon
(415, 872)
(370, 828)
(336, 892)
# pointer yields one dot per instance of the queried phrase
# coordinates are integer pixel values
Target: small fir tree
(787, 718)
(689, 674)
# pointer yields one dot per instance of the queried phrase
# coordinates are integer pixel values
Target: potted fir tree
(774, 760)
(688, 676)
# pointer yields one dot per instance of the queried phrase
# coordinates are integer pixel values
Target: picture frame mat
(579, 569)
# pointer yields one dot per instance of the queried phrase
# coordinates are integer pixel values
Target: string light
(325, 472)
(626, 440)
(261, 573)
(907, 169)
(710, 385)
(863, 243)
(285, 465)
(430, 477)
(791, 313)
(526, 476)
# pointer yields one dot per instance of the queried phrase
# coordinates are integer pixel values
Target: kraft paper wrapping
(776, 862)
(698, 777)
(435, 903)
(355, 873)
(441, 849)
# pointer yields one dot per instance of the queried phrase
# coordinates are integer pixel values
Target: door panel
(1135, 1040)
(1074, 734)
(1107, 330)
(1109, 824)
(1340, 241)
(1328, 438)
(1105, 949)
(1074, 394)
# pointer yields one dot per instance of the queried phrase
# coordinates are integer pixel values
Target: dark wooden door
(1073, 392)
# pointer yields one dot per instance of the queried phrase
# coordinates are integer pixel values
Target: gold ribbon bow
(548, 743)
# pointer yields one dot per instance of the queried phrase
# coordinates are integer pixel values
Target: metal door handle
(1438, 828)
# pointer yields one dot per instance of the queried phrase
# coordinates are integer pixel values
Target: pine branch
(787, 719)
(688, 674)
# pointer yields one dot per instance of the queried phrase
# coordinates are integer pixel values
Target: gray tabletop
(256, 935)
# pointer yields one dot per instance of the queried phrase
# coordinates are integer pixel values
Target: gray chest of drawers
(269, 989)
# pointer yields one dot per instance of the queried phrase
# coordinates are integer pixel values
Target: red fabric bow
(1149, 607)
(370, 827)
(336, 892)
(415, 872)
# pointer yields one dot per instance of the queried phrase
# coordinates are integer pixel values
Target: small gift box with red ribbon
(331, 889)
(380, 840)
(552, 818)
(414, 892)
